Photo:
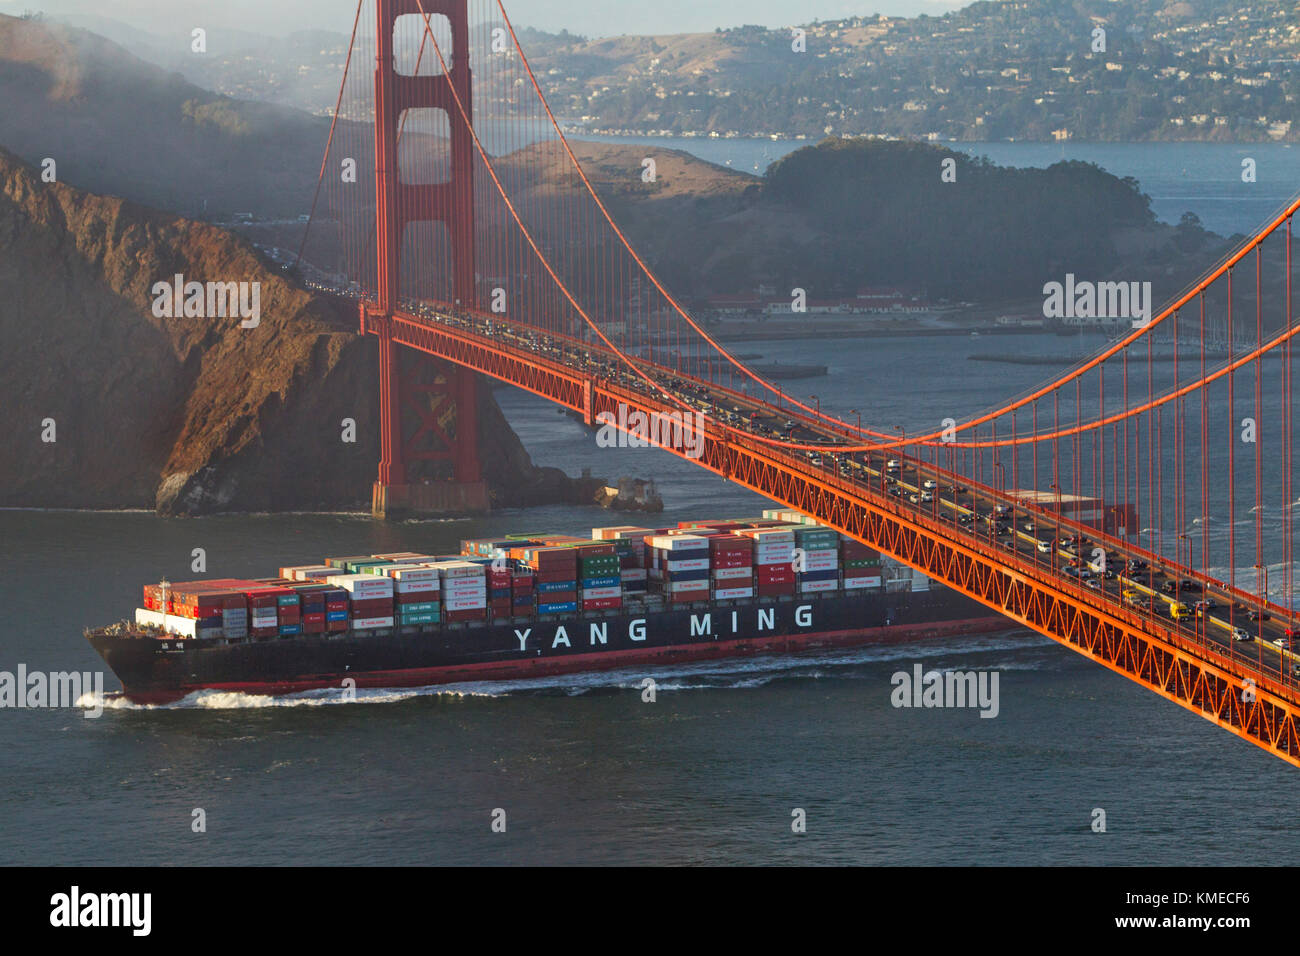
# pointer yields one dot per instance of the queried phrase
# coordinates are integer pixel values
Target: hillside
(848, 213)
(186, 415)
(1186, 70)
(116, 125)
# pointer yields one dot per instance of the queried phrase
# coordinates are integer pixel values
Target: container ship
(529, 606)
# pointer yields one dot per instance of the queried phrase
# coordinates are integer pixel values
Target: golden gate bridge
(1130, 508)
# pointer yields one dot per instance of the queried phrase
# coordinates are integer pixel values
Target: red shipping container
(688, 597)
(556, 597)
(332, 626)
(600, 604)
(418, 597)
(375, 607)
(470, 614)
(551, 576)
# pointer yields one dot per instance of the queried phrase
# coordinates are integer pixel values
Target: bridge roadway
(1072, 549)
(1200, 661)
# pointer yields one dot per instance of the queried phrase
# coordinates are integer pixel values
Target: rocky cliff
(109, 405)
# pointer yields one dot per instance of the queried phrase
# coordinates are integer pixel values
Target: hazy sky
(589, 17)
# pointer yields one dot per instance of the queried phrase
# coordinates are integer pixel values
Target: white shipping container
(811, 586)
(458, 569)
(407, 574)
(633, 574)
(313, 572)
(456, 589)
(853, 584)
(366, 623)
(731, 594)
(691, 564)
(678, 542)
(769, 537)
(417, 587)
(591, 594)
(820, 560)
(676, 587)
(368, 584)
(464, 604)
(732, 574)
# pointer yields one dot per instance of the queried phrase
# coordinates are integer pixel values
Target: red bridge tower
(432, 394)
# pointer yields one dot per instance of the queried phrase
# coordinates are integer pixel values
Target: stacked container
(337, 604)
(371, 604)
(819, 565)
(679, 566)
(523, 592)
(599, 577)
(499, 582)
(464, 590)
(773, 561)
(201, 609)
(629, 545)
(731, 560)
(416, 594)
(288, 612)
(311, 598)
(861, 565)
(264, 612)
(556, 568)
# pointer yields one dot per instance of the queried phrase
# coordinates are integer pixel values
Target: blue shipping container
(563, 607)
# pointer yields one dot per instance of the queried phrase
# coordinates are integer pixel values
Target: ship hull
(159, 671)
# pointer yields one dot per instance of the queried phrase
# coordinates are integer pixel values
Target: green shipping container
(423, 607)
(409, 619)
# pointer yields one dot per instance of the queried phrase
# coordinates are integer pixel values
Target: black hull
(159, 670)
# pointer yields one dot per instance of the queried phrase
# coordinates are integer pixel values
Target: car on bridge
(1242, 635)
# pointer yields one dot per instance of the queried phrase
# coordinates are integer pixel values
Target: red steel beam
(1253, 706)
